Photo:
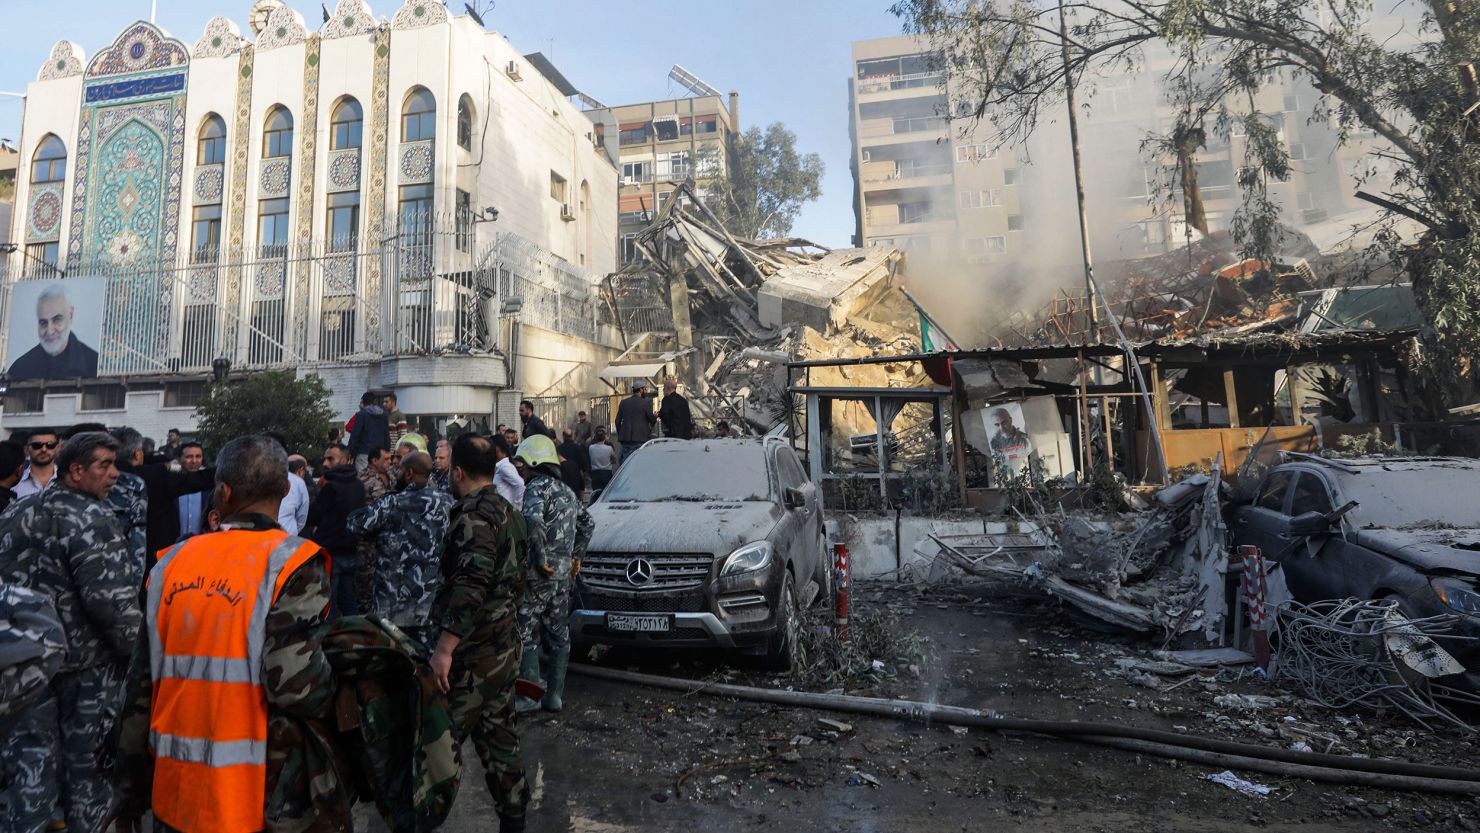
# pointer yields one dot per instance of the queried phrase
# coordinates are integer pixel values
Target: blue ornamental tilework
(150, 86)
(201, 288)
(416, 163)
(275, 178)
(344, 170)
(140, 48)
(210, 182)
(269, 281)
(44, 218)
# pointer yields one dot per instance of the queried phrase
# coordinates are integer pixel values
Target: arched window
(50, 162)
(346, 126)
(465, 122)
(277, 134)
(210, 148)
(419, 116)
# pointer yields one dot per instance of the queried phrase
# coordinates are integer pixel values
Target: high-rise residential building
(920, 182)
(663, 143)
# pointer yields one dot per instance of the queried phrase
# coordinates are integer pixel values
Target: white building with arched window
(404, 203)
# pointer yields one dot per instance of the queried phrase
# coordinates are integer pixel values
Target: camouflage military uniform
(483, 574)
(441, 481)
(410, 529)
(300, 682)
(559, 530)
(32, 647)
(376, 487)
(129, 500)
(68, 546)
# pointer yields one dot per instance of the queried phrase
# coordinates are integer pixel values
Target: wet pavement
(627, 758)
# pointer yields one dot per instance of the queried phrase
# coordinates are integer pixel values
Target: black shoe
(510, 824)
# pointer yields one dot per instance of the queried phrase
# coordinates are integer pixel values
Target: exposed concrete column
(735, 110)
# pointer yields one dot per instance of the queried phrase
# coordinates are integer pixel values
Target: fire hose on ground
(1314, 766)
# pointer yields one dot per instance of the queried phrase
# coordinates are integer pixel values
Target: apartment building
(663, 143)
(920, 182)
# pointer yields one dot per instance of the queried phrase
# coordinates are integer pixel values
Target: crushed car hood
(1431, 549)
(716, 527)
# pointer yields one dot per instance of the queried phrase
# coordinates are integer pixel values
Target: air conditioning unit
(566, 213)
(513, 71)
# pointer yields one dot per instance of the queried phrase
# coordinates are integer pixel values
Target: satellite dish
(261, 11)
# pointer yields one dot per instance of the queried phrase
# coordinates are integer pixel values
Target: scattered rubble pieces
(1237, 784)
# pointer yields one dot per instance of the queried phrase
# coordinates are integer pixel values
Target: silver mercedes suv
(704, 543)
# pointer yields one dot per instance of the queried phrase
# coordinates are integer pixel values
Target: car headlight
(749, 557)
(1457, 595)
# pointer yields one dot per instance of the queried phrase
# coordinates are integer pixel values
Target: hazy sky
(788, 59)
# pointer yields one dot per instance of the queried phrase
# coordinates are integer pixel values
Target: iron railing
(425, 290)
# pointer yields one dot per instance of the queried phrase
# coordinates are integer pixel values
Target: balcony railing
(908, 171)
(898, 82)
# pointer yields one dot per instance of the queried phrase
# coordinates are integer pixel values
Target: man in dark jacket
(572, 448)
(164, 489)
(530, 423)
(12, 463)
(677, 421)
(341, 494)
(372, 429)
(635, 420)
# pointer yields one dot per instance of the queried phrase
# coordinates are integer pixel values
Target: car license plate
(639, 623)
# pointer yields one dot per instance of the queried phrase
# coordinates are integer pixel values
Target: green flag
(927, 335)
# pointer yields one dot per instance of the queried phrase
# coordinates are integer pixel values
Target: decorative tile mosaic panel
(344, 169)
(221, 39)
(202, 286)
(375, 207)
(129, 172)
(210, 181)
(44, 218)
(350, 18)
(65, 61)
(284, 28)
(141, 47)
(418, 13)
(308, 154)
(339, 275)
(416, 163)
(275, 177)
(241, 148)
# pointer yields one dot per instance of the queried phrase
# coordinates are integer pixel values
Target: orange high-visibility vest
(207, 614)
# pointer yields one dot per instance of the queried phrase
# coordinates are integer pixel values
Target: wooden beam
(1230, 393)
(1297, 394)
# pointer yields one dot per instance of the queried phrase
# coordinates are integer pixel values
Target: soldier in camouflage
(559, 529)
(410, 529)
(66, 544)
(130, 495)
(32, 647)
(477, 654)
(299, 679)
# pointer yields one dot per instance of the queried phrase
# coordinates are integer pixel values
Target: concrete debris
(744, 308)
(1206, 657)
(1160, 571)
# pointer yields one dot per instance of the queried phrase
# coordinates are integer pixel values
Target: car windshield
(695, 470)
(1415, 497)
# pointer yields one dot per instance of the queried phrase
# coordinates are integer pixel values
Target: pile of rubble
(1160, 572)
(732, 312)
(1205, 287)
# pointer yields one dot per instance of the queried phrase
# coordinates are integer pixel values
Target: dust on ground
(627, 758)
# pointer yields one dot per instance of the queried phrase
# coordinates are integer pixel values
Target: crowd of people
(167, 623)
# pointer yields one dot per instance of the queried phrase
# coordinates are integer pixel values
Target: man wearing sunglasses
(41, 471)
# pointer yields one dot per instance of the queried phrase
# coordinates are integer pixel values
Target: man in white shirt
(293, 511)
(506, 479)
(41, 470)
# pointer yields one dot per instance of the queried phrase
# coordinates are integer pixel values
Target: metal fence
(422, 291)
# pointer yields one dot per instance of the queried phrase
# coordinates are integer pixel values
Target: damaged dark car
(704, 543)
(1405, 529)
